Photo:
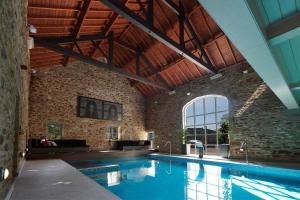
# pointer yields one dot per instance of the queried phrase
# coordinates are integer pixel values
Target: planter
(186, 149)
(224, 150)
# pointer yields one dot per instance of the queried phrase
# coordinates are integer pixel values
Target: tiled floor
(56, 180)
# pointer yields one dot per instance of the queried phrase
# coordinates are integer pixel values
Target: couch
(63, 146)
(133, 144)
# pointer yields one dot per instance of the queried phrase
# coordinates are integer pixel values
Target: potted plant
(223, 139)
(185, 147)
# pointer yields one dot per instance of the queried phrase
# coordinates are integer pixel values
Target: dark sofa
(132, 144)
(63, 146)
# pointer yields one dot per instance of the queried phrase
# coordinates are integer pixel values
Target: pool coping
(56, 179)
(278, 172)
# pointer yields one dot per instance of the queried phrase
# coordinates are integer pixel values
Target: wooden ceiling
(89, 17)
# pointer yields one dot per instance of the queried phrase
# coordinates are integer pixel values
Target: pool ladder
(244, 148)
(170, 164)
(170, 143)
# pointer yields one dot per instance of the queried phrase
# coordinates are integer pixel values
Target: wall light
(172, 92)
(245, 71)
(22, 154)
(32, 29)
(30, 42)
(4, 173)
(102, 59)
(215, 76)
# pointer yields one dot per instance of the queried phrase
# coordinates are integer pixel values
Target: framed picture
(112, 111)
(54, 131)
(98, 109)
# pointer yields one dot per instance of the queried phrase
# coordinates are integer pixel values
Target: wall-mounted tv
(98, 109)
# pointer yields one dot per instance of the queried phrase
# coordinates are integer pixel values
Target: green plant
(223, 136)
(183, 133)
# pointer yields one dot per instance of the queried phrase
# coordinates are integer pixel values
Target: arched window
(203, 116)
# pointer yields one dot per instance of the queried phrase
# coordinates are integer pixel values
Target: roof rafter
(69, 52)
(83, 13)
(142, 24)
(107, 29)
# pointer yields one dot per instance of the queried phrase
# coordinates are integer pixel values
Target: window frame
(204, 114)
(55, 124)
(109, 134)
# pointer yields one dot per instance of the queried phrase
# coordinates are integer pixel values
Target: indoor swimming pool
(162, 177)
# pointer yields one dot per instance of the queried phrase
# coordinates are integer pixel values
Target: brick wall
(13, 86)
(53, 98)
(256, 115)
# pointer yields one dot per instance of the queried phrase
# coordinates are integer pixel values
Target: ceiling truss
(52, 43)
(147, 25)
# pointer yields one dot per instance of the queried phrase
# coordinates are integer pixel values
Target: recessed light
(188, 93)
(245, 71)
(156, 102)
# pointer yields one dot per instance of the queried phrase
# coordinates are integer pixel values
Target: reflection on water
(191, 181)
(205, 182)
(113, 178)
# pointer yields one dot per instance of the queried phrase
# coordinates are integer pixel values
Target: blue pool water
(163, 179)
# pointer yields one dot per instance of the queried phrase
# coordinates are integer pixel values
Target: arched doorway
(202, 118)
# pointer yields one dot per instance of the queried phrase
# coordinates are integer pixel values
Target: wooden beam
(157, 34)
(91, 61)
(83, 13)
(284, 29)
(53, 8)
(178, 60)
(156, 72)
(52, 18)
(107, 29)
(125, 45)
(71, 39)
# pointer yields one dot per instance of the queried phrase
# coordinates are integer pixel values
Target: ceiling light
(215, 76)
(156, 102)
(188, 93)
(245, 71)
(33, 71)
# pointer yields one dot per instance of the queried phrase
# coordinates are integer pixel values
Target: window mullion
(194, 114)
(216, 121)
(204, 123)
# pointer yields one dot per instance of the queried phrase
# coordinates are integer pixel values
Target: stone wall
(53, 98)
(13, 86)
(256, 115)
